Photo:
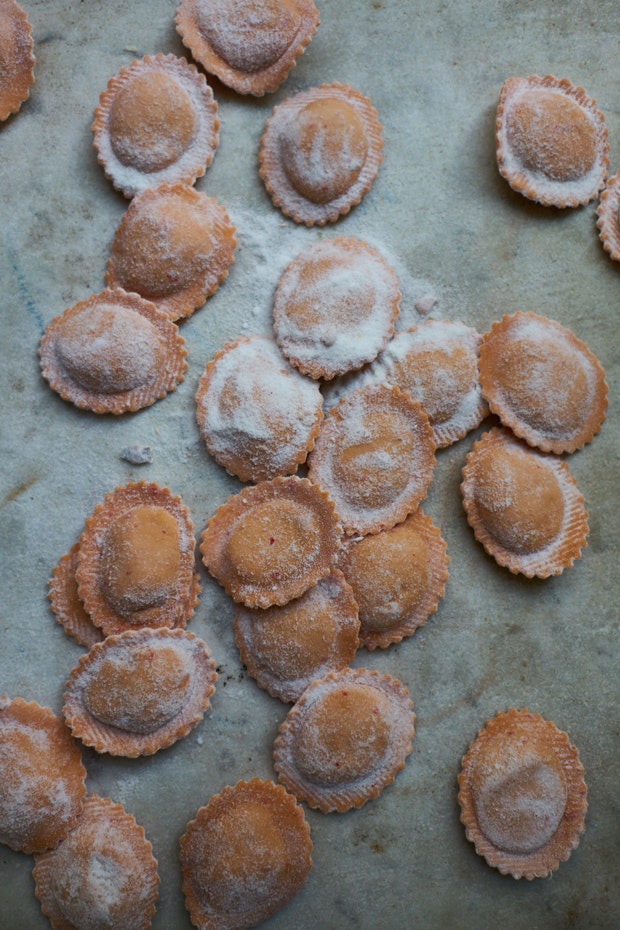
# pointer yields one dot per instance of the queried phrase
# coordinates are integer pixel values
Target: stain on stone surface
(22, 488)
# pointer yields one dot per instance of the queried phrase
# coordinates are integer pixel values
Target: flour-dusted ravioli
(398, 577)
(156, 123)
(139, 691)
(251, 45)
(345, 739)
(335, 307)
(437, 363)
(320, 153)
(42, 788)
(375, 457)
(136, 563)
(272, 541)
(524, 507)
(551, 141)
(286, 648)
(102, 875)
(258, 416)
(66, 604)
(16, 57)
(542, 382)
(173, 246)
(522, 795)
(244, 856)
(608, 213)
(112, 353)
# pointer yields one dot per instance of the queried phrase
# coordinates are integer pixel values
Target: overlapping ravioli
(375, 457)
(42, 788)
(140, 691)
(103, 874)
(66, 604)
(156, 123)
(522, 795)
(135, 561)
(286, 648)
(258, 416)
(437, 363)
(251, 45)
(320, 153)
(272, 541)
(112, 353)
(335, 307)
(398, 577)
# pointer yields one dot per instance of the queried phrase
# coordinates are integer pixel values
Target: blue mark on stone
(24, 291)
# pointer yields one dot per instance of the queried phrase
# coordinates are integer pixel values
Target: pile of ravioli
(326, 548)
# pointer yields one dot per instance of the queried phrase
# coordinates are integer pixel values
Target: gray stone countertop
(453, 230)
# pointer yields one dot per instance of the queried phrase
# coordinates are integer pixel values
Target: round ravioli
(139, 691)
(375, 457)
(112, 353)
(398, 577)
(320, 153)
(345, 739)
(156, 123)
(543, 382)
(251, 45)
(257, 415)
(174, 246)
(103, 875)
(42, 788)
(608, 213)
(524, 507)
(437, 363)
(272, 541)
(136, 563)
(16, 57)
(551, 141)
(245, 855)
(66, 604)
(335, 307)
(522, 795)
(286, 648)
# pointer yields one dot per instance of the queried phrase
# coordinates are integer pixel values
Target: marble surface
(453, 230)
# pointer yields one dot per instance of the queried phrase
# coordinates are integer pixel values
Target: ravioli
(156, 123)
